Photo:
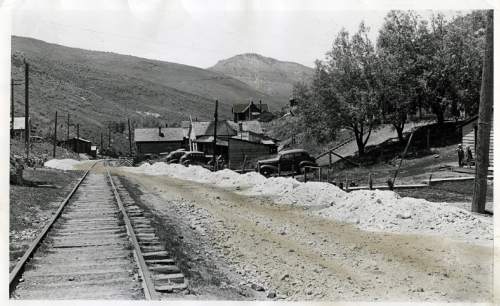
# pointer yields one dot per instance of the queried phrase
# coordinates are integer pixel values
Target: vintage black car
(287, 161)
(193, 158)
(174, 156)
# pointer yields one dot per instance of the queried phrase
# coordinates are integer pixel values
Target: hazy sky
(193, 32)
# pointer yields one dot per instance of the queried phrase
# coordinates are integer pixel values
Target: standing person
(460, 152)
(469, 157)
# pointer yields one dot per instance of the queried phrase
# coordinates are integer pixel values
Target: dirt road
(233, 246)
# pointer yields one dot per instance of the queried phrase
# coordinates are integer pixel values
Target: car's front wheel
(266, 172)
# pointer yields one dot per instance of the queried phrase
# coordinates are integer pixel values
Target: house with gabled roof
(159, 140)
(248, 111)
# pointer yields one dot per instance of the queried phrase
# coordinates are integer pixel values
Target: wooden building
(249, 111)
(238, 149)
(234, 140)
(93, 151)
(78, 145)
(18, 127)
(469, 137)
(159, 140)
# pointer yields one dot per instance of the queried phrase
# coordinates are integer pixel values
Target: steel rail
(149, 290)
(19, 268)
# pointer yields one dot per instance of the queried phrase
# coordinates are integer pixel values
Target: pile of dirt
(63, 164)
(374, 210)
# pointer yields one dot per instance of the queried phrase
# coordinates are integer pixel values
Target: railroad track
(98, 245)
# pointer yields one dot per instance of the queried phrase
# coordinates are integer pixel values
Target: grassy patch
(31, 208)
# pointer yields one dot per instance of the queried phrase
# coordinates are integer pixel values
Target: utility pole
(215, 133)
(109, 136)
(101, 148)
(67, 129)
(26, 110)
(129, 137)
(11, 107)
(55, 136)
(484, 121)
(78, 131)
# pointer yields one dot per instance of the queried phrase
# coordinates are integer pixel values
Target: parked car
(287, 161)
(174, 156)
(193, 158)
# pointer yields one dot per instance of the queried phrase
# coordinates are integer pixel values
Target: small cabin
(159, 140)
(78, 145)
(249, 111)
(469, 137)
(18, 127)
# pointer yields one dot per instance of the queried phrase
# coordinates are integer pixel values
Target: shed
(239, 148)
(158, 140)
(78, 145)
(93, 151)
(469, 137)
(19, 126)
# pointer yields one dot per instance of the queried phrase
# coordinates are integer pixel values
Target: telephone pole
(11, 107)
(129, 137)
(26, 110)
(484, 121)
(67, 128)
(78, 131)
(215, 134)
(55, 136)
(101, 148)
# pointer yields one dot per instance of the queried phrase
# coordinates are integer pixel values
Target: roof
(79, 139)
(241, 108)
(253, 126)
(293, 151)
(467, 121)
(153, 135)
(210, 139)
(93, 148)
(202, 128)
(18, 123)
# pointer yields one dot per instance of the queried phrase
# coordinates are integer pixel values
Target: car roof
(293, 151)
(193, 152)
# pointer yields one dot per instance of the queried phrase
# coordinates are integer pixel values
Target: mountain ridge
(266, 74)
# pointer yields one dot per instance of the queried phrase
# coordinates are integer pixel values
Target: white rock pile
(372, 210)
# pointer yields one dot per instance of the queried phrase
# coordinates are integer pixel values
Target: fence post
(319, 174)
(370, 181)
(428, 139)
(305, 174)
(430, 179)
(346, 184)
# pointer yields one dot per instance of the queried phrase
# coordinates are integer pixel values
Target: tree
(484, 123)
(451, 64)
(349, 93)
(398, 55)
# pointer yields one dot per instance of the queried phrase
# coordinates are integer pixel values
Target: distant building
(93, 151)
(469, 137)
(78, 145)
(248, 111)
(235, 141)
(19, 126)
(159, 140)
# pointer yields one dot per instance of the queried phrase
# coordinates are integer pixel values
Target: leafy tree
(450, 62)
(398, 55)
(344, 91)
